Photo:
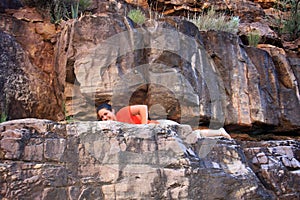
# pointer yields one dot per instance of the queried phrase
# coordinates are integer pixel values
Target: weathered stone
(252, 93)
(288, 87)
(260, 158)
(113, 160)
(248, 11)
(262, 81)
(34, 150)
(54, 149)
(242, 80)
(277, 162)
(28, 14)
(29, 84)
(47, 30)
(140, 3)
(128, 80)
(265, 33)
(54, 193)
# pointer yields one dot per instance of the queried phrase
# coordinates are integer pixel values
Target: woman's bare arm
(142, 111)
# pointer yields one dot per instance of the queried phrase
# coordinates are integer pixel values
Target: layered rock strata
(107, 160)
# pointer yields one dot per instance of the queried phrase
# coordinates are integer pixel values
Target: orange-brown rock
(28, 14)
(29, 77)
(252, 96)
(140, 3)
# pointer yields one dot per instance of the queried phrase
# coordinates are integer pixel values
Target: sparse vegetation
(287, 17)
(68, 118)
(292, 24)
(137, 16)
(3, 117)
(75, 10)
(68, 9)
(60, 9)
(216, 21)
(254, 38)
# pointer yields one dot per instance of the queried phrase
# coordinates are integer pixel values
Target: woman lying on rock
(138, 114)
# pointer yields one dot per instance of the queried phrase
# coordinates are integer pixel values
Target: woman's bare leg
(214, 133)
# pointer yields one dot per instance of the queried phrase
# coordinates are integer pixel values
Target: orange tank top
(125, 115)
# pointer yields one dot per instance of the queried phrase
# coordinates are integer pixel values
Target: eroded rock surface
(25, 90)
(277, 164)
(105, 160)
(31, 85)
(166, 63)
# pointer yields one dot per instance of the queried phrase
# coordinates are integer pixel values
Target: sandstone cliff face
(211, 78)
(29, 81)
(255, 88)
(261, 84)
(181, 73)
(111, 160)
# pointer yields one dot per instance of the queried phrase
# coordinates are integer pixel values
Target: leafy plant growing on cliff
(60, 9)
(68, 118)
(137, 16)
(292, 24)
(72, 9)
(287, 17)
(216, 21)
(3, 117)
(253, 38)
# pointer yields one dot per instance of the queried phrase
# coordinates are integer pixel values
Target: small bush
(66, 9)
(214, 21)
(253, 38)
(137, 16)
(292, 24)
(60, 9)
(3, 117)
(287, 17)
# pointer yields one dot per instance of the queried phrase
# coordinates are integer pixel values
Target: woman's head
(105, 112)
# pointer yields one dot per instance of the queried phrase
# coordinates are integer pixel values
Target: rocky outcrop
(263, 79)
(128, 65)
(180, 73)
(274, 161)
(29, 81)
(104, 160)
(244, 87)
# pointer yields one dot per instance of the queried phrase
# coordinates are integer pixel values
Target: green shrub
(66, 9)
(70, 119)
(292, 24)
(287, 17)
(137, 16)
(60, 9)
(3, 117)
(253, 38)
(75, 10)
(214, 21)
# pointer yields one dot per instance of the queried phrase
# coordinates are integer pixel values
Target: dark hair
(104, 105)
